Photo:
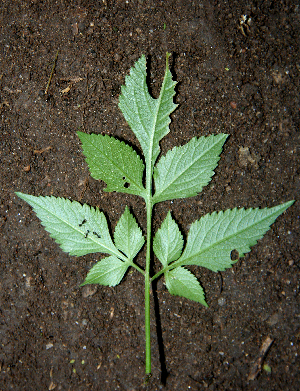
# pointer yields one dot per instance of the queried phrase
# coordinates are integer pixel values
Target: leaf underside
(147, 117)
(114, 162)
(181, 282)
(185, 170)
(109, 271)
(78, 229)
(212, 238)
(128, 236)
(168, 241)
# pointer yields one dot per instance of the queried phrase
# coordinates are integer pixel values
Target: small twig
(257, 364)
(221, 278)
(42, 150)
(52, 71)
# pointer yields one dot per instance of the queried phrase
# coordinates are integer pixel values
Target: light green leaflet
(78, 229)
(181, 173)
(109, 271)
(181, 282)
(210, 243)
(148, 117)
(128, 236)
(168, 241)
(212, 238)
(185, 170)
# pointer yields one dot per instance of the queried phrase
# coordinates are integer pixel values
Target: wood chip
(66, 90)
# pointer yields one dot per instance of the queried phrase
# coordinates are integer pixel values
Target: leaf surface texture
(109, 271)
(186, 169)
(128, 236)
(114, 162)
(168, 241)
(78, 229)
(212, 238)
(147, 117)
(181, 282)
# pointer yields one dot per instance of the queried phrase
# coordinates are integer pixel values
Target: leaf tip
(289, 203)
(167, 59)
(23, 196)
(80, 134)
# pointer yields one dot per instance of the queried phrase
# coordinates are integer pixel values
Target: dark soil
(238, 76)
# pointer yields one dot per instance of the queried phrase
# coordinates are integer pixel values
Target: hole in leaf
(234, 255)
(123, 178)
(126, 185)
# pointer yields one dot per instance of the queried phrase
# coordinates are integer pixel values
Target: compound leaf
(147, 117)
(181, 282)
(185, 170)
(109, 271)
(168, 241)
(212, 238)
(78, 229)
(128, 236)
(114, 162)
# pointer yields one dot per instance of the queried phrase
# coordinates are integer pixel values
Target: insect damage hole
(234, 255)
(126, 184)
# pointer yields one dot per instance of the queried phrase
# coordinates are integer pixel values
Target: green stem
(147, 286)
(158, 274)
(167, 268)
(137, 267)
(149, 207)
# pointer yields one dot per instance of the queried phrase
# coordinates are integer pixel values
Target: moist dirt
(237, 65)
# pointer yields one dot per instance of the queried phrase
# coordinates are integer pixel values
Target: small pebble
(117, 57)
(221, 301)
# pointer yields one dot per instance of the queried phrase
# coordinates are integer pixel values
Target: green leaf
(212, 238)
(148, 118)
(109, 271)
(168, 241)
(114, 162)
(181, 282)
(78, 229)
(186, 169)
(128, 236)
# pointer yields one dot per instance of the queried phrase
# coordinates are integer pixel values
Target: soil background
(237, 65)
